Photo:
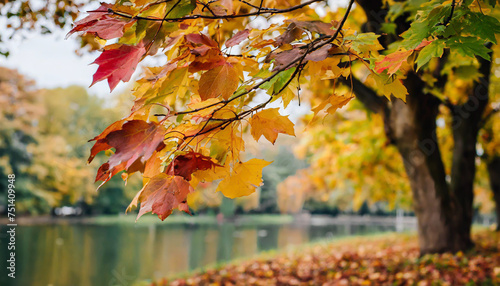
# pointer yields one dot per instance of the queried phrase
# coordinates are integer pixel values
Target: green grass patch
(180, 219)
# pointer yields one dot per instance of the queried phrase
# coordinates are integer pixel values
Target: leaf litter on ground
(392, 259)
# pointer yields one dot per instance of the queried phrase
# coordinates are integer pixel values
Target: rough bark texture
(465, 126)
(444, 210)
(413, 129)
(494, 174)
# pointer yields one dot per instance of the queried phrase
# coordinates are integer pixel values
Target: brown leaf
(237, 38)
(316, 26)
(284, 58)
(291, 34)
(201, 39)
(319, 54)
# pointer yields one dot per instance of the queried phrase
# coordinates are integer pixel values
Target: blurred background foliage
(44, 142)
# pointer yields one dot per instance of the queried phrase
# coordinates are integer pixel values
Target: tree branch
(447, 21)
(261, 11)
(370, 99)
(314, 45)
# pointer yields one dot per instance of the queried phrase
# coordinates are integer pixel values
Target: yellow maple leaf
(335, 101)
(219, 81)
(227, 142)
(244, 179)
(397, 89)
(269, 123)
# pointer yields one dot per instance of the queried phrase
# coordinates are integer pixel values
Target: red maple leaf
(134, 144)
(187, 164)
(200, 39)
(101, 23)
(117, 64)
(206, 51)
(162, 194)
(392, 62)
(101, 143)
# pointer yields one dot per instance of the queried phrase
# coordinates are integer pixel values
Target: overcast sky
(51, 60)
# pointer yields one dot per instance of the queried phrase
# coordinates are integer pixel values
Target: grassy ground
(186, 219)
(388, 259)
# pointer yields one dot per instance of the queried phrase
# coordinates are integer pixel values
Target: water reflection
(66, 254)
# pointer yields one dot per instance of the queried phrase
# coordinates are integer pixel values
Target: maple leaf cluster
(189, 114)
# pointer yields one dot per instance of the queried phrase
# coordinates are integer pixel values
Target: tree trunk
(494, 173)
(412, 127)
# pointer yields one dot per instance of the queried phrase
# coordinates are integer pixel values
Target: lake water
(78, 254)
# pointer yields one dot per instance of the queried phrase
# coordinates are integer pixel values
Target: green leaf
(389, 28)
(434, 49)
(180, 118)
(483, 26)
(467, 72)
(135, 34)
(426, 24)
(364, 42)
(415, 35)
(469, 47)
(267, 85)
(492, 3)
(282, 79)
(181, 9)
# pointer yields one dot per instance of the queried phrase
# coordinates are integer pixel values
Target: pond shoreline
(303, 219)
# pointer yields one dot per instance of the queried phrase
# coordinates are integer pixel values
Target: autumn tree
(361, 165)
(221, 58)
(20, 17)
(443, 205)
(20, 111)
